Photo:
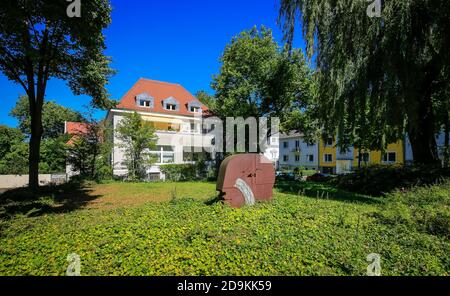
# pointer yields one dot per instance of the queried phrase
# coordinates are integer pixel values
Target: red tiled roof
(75, 128)
(159, 91)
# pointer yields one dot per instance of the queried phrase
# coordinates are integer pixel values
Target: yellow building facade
(330, 158)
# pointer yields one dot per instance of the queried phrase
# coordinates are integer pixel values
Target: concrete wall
(15, 181)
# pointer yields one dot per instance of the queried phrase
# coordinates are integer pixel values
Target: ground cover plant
(171, 229)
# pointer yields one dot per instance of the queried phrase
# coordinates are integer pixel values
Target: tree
(258, 78)
(206, 99)
(39, 41)
(389, 65)
(136, 138)
(53, 117)
(88, 151)
(53, 155)
(13, 152)
(8, 137)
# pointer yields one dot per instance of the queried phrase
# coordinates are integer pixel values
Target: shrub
(180, 172)
(379, 180)
(425, 209)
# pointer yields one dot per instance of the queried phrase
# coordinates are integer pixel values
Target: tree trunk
(35, 145)
(421, 132)
(446, 140)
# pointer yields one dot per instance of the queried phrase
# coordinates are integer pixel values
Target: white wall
(177, 140)
(305, 150)
(15, 181)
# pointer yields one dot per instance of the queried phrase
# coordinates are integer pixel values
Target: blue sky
(175, 41)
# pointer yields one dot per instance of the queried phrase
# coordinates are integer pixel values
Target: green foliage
(137, 137)
(53, 117)
(257, 78)
(425, 209)
(16, 161)
(9, 137)
(376, 76)
(180, 172)
(206, 99)
(376, 180)
(89, 152)
(53, 155)
(292, 235)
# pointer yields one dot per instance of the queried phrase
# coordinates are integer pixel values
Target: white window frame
(325, 157)
(387, 157)
(195, 109)
(171, 107)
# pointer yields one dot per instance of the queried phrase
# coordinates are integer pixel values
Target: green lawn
(168, 229)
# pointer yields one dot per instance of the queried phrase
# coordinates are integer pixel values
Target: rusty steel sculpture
(245, 178)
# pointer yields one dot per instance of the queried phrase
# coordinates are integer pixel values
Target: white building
(177, 118)
(296, 153)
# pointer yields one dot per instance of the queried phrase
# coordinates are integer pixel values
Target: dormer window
(144, 100)
(171, 104)
(194, 107)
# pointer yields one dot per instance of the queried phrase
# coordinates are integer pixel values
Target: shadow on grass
(323, 191)
(49, 199)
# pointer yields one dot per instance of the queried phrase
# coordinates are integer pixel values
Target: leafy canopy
(258, 78)
(53, 117)
(376, 75)
(39, 41)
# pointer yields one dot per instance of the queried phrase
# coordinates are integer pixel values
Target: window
(154, 177)
(171, 107)
(297, 158)
(328, 157)
(194, 127)
(329, 142)
(285, 144)
(390, 157)
(310, 157)
(285, 157)
(171, 104)
(144, 103)
(195, 109)
(274, 140)
(297, 143)
(144, 100)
